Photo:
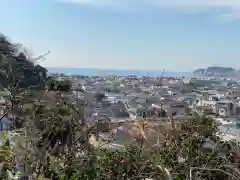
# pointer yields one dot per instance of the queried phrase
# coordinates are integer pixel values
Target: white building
(224, 108)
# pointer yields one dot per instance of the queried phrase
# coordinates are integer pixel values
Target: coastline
(118, 72)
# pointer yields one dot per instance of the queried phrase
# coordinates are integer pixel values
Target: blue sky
(178, 35)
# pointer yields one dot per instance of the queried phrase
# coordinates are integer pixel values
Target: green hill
(16, 67)
(216, 71)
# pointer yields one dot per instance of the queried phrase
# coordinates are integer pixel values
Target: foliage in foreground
(181, 152)
(51, 141)
(53, 84)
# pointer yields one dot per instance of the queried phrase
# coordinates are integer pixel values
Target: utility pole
(161, 87)
(160, 84)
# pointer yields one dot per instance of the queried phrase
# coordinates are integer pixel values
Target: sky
(177, 35)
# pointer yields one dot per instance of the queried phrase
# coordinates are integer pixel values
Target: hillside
(14, 62)
(216, 71)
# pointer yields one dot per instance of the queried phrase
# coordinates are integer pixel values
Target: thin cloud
(229, 16)
(166, 3)
(229, 10)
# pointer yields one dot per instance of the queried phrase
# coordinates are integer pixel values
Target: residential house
(175, 109)
(121, 136)
(224, 108)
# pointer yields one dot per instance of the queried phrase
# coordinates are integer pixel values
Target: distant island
(216, 71)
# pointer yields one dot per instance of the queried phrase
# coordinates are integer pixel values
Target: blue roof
(188, 99)
(5, 124)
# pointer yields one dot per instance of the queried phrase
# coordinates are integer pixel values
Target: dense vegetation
(51, 140)
(17, 67)
(216, 71)
(58, 85)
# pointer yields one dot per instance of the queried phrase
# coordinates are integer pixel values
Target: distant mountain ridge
(217, 71)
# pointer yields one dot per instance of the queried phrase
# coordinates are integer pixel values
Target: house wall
(226, 105)
(177, 110)
(238, 110)
(205, 103)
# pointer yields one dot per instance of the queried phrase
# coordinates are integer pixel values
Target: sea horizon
(117, 72)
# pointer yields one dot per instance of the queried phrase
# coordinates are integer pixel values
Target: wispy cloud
(169, 3)
(228, 9)
(229, 16)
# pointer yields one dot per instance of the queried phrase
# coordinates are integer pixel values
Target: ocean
(117, 72)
